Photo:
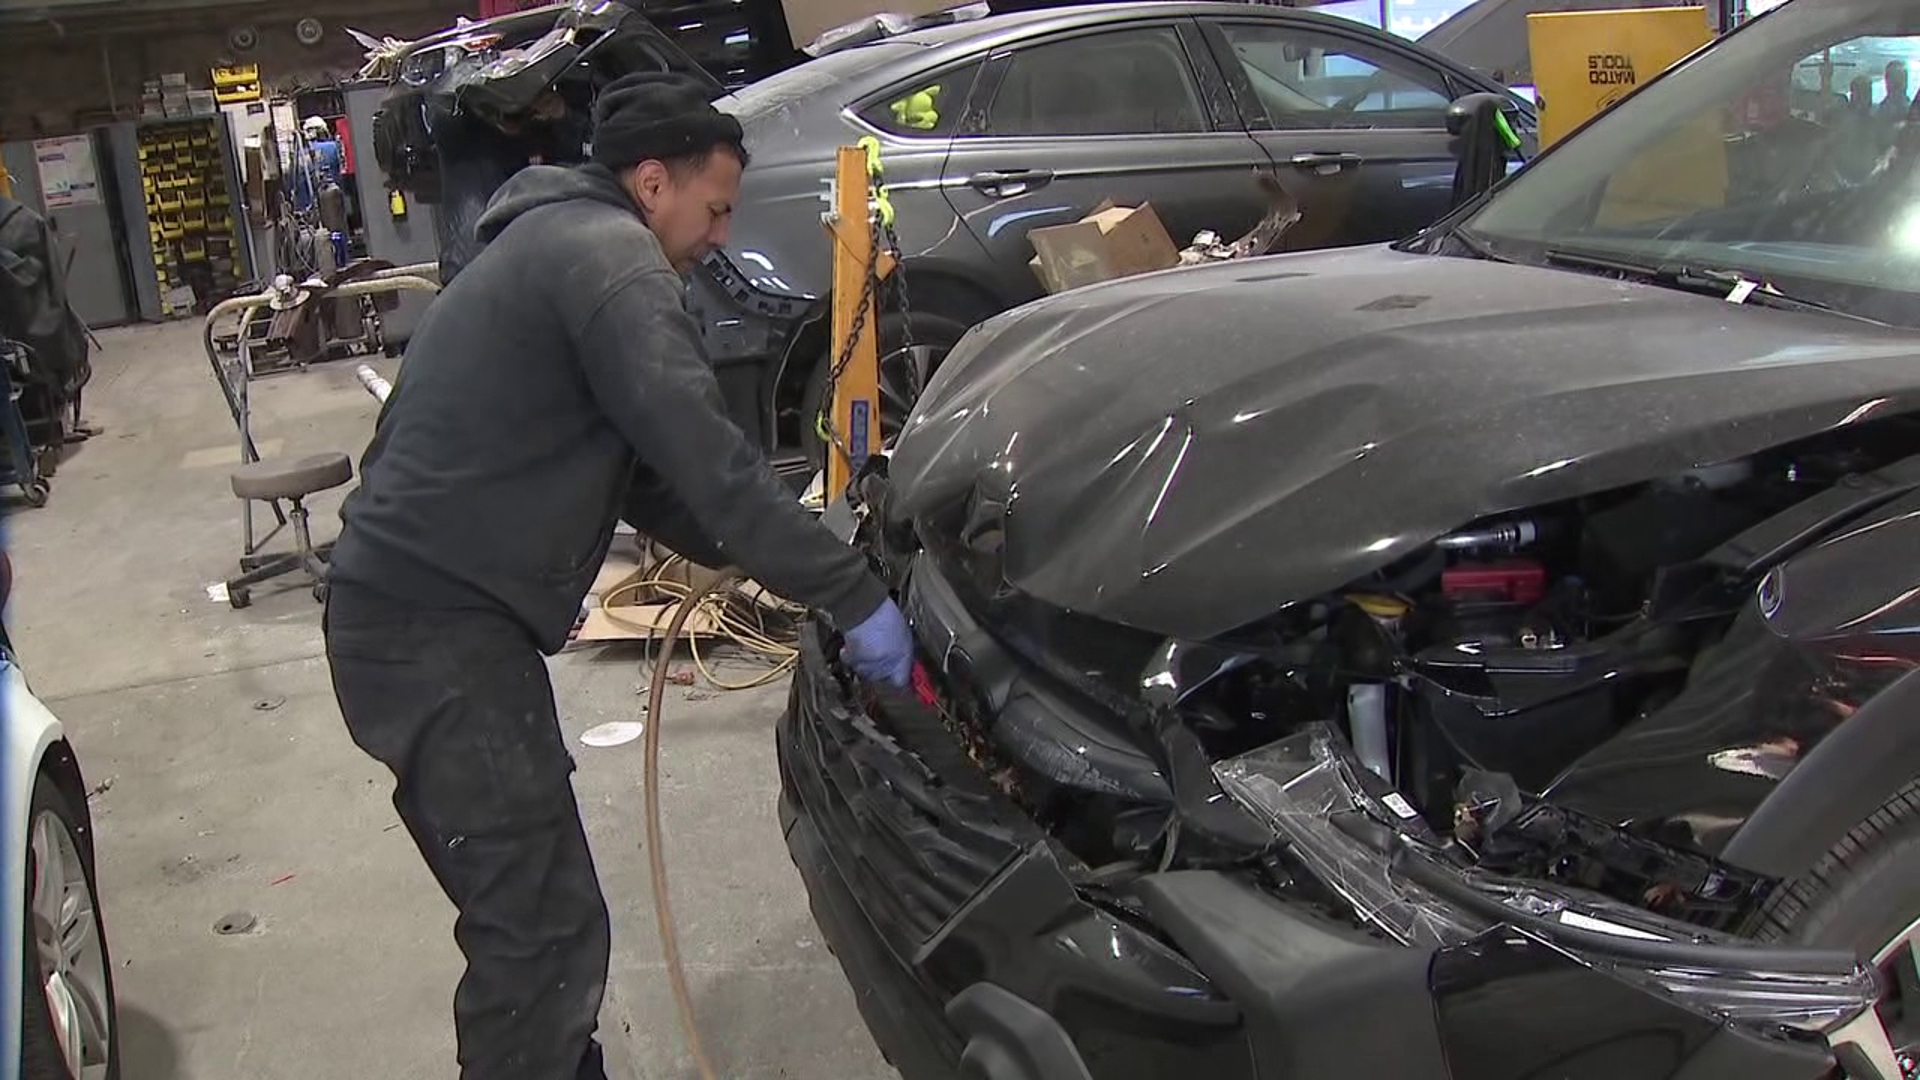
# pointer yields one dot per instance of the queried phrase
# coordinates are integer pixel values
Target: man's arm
(652, 508)
(643, 359)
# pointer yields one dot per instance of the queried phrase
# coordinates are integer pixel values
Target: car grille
(912, 844)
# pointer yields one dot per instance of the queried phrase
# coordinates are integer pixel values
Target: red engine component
(1516, 581)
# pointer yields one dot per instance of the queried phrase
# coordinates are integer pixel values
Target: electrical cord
(656, 848)
(738, 619)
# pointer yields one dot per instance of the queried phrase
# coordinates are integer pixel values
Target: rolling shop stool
(267, 481)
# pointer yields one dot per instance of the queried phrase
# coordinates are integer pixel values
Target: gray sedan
(994, 127)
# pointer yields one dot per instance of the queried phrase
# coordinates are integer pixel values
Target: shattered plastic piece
(1283, 213)
(1299, 786)
(1484, 803)
(383, 55)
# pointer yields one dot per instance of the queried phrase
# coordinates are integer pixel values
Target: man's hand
(880, 649)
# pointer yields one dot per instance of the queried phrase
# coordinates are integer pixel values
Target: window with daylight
(1306, 80)
(1125, 82)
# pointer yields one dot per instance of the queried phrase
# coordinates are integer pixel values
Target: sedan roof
(1077, 14)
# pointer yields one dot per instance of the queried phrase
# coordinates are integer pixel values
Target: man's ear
(645, 182)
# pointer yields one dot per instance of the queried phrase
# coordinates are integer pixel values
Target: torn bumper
(941, 901)
(967, 935)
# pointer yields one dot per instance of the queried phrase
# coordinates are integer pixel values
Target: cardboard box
(1112, 242)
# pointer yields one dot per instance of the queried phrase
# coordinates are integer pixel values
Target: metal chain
(868, 290)
(906, 309)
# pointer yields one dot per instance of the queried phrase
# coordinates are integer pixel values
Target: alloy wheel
(73, 960)
(1899, 965)
(903, 376)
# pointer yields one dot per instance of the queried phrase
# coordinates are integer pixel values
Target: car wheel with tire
(1864, 895)
(69, 1027)
(904, 371)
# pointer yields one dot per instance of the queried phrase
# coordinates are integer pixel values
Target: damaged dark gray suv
(1489, 656)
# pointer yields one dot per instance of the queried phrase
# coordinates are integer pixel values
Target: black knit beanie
(654, 116)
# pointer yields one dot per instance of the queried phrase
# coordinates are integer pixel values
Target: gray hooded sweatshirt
(556, 385)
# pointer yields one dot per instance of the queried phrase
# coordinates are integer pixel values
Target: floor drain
(237, 923)
(269, 704)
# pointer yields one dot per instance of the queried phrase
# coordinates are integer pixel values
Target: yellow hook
(872, 146)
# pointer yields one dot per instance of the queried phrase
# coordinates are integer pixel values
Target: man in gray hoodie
(557, 384)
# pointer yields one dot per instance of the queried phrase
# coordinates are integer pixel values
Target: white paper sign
(67, 176)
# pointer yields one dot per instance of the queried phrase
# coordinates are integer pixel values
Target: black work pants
(458, 705)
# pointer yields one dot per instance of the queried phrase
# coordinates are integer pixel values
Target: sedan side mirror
(1466, 106)
(1480, 139)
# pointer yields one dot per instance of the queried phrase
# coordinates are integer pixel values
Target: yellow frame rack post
(858, 269)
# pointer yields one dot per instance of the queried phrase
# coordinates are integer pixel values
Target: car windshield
(1785, 155)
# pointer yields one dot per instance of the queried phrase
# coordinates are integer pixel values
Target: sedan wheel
(904, 372)
(1864, 896)
(68, 956)
(903, 376)
(1899, 965)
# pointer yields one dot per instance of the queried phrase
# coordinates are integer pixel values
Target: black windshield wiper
(1730, 285)
(1474, 244)
(1433, 241)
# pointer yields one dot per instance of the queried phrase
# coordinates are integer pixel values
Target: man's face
(689, 209)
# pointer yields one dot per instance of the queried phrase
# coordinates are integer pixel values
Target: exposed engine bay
(1472, 678)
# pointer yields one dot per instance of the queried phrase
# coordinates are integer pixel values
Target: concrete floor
(226, 783)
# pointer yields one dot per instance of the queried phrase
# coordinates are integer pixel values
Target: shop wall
(63, 77)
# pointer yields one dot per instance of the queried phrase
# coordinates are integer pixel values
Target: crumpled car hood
(1189, 451)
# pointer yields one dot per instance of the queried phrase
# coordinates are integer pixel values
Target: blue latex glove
(880, 649)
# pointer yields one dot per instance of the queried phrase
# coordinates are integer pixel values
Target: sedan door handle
(1329, 161)
(1006, 184)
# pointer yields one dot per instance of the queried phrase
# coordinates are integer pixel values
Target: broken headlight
(1376, 853)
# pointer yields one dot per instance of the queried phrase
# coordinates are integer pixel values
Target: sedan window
(1306, 80)
(930, 108)
(1126, 82)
